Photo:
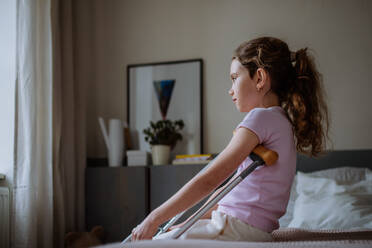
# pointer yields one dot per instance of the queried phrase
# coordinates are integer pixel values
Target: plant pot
(160, 154)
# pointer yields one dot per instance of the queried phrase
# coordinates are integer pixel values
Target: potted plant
(163, 136)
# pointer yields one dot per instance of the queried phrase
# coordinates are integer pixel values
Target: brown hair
(298, 86)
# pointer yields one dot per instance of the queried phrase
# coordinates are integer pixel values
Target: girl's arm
(208, 214)
(240, 146)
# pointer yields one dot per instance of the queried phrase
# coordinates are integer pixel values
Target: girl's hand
(145, 230)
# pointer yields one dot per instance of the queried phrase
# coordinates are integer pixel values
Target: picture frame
(186, 103)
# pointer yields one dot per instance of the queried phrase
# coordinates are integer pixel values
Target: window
(7, 84)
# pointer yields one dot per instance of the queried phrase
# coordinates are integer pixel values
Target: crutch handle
(267, 155)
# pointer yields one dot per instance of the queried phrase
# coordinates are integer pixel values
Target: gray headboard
(333, 159)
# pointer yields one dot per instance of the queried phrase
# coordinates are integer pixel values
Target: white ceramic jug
(114, 140)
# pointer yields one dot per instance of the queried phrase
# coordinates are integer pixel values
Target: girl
(281, 92)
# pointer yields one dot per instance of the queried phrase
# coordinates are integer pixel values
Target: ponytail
(306, 107)
(297, 83)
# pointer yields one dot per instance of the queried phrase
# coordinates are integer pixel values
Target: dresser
(119, 198)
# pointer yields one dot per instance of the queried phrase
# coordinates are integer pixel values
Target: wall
(128, 32)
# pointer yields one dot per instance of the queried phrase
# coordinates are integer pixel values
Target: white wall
(7, 84)
(129, 32)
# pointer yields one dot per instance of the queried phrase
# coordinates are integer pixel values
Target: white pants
(221, 227)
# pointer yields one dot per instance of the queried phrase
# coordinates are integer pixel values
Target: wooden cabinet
(119, 198)
(116, 198)
(166, 180)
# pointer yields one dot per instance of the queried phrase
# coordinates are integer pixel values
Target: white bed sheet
(342, 175)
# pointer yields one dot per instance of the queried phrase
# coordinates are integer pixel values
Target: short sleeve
(257, 120)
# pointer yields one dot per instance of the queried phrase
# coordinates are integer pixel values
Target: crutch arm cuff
(270, 157)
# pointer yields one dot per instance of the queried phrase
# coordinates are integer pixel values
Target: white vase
(114, 139)
(160, 154)
(116, 142)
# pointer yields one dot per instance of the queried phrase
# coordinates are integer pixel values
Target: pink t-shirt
(262, 197)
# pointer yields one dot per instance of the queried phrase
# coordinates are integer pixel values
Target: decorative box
(137, 158)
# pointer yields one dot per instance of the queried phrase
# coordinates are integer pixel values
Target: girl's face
(244, 90)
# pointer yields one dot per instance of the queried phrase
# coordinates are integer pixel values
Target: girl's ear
(261, 78)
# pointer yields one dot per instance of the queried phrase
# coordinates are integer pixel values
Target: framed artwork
(166, 90)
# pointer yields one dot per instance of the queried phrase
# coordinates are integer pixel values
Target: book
(201, 156)
(191, 162)
(193, 158)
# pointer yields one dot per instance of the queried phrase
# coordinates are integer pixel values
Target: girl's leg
(221, 227)
(202, 229)
(236, 230)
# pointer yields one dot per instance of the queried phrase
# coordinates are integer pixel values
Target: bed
(330, 206)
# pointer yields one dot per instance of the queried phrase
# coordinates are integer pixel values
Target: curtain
(48, 189)
(32, 213)
(69, 150)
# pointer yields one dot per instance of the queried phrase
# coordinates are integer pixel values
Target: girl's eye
(233, 77)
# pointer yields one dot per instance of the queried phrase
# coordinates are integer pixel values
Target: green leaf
(165, 132)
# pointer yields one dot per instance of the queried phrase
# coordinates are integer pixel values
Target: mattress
(283, 238)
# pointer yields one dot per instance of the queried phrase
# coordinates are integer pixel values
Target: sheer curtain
(48, 188)
(32, 215)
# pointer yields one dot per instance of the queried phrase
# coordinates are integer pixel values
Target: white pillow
(325, 203)
(340, 174)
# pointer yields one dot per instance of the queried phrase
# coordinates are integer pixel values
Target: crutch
(260, 156)
(174, 219)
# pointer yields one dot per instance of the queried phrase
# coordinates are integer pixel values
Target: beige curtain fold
(69, 151)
